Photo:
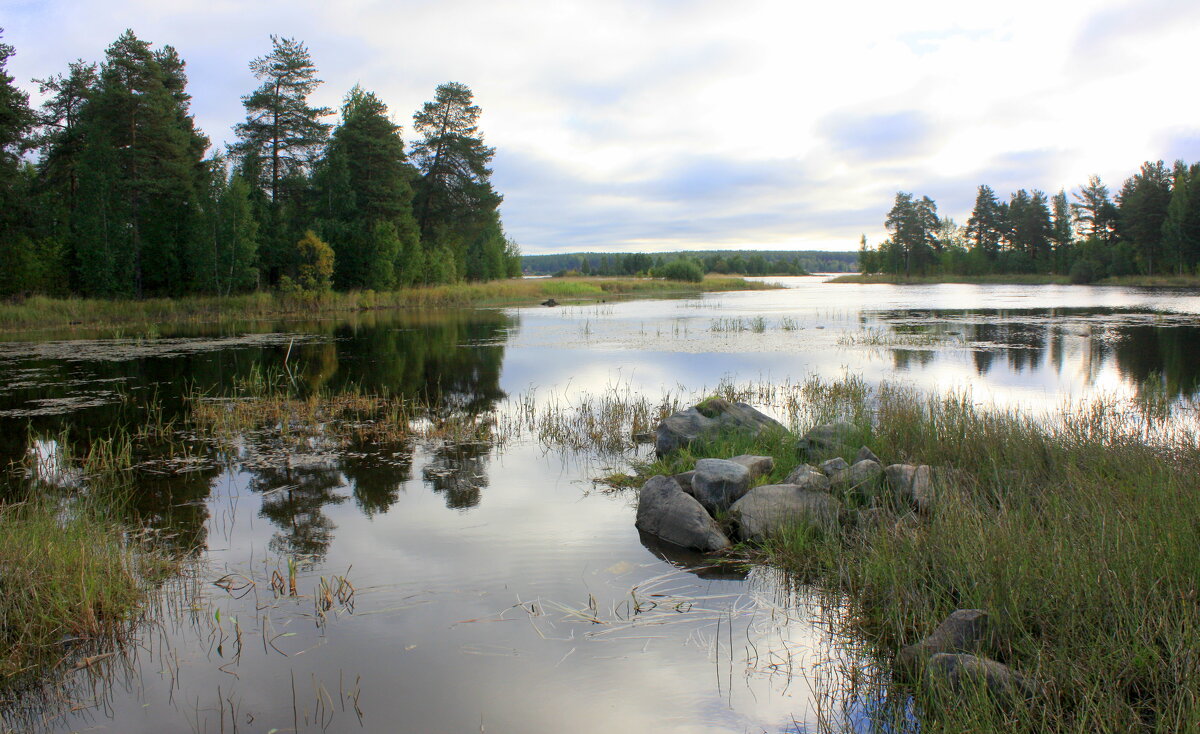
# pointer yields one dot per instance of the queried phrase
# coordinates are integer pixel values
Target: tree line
(109, 189)
(1151, 226)
(742, 262)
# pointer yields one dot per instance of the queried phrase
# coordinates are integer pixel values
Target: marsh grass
(70, 573)
(41, 312)
(883, 337)
(1077, 532)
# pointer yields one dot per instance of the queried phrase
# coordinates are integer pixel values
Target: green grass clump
(1079, 536)
(67, 573)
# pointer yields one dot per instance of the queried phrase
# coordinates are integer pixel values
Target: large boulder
(772, 508)
(826, 437)
(965, 630)
(718, 483)
(666, 511)
(862, 478)
(865, 453)
(832, 466)
(685, 480)
(962, 673)
(758, 465)
(709, 418)
(808, 477)
(912, 484)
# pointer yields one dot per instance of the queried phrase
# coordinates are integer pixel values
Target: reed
(42, 312)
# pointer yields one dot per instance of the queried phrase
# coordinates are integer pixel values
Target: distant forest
(744, 262)
(109, 189)
(1151, 226)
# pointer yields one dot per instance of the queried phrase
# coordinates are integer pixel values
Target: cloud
(661, 124)
(879, 136)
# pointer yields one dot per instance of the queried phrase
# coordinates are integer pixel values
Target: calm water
(497, 589)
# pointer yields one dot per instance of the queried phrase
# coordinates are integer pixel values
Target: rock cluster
(683, 509)
(951, 659)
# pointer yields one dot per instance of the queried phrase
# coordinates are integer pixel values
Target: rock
(758, 465)
(965, 630)
(833, 466)
(549, 302)
(961, 673)
(713, 416)
(865, 454)
(912, 484)
(807, 477)
(685, 480)
(862, 477)
(718, 483)
(771, 508)
(826, 437)
(665, 511)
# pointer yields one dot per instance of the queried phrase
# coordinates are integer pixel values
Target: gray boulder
(862, 477)
(965, 630)
(808, 477)
(758, 465)
(665, 511)
(833, 466)
(826, 437)
(718, 483)
(710, 418)
(864, 454)
(772, 508)
(912, 484)
(961, 673)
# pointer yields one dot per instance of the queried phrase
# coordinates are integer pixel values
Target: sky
(657, 125)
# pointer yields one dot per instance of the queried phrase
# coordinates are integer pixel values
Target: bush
(680, 269)
(1084, 271)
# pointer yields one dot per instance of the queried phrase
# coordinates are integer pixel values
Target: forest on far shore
(1151, 226)
(741, 262)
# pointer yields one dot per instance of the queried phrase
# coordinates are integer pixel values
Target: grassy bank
(1139, 281)
(43, 312)
(71, 581)
(1078, 536)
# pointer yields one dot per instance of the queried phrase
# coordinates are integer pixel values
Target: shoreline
(1128, 281)
(41, 312)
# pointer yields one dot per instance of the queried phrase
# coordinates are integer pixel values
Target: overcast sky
(627, 125)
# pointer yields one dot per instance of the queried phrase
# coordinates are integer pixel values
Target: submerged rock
(708, 419)
(772, 508)
(962, 672)
(808, 477)
(718, 483)
(758, 465)
(965, 630)
(666, 511)
(826, 437)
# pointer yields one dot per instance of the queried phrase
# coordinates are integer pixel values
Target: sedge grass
(41, 312)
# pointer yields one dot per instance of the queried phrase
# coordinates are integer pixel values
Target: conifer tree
(16, 122)
(364, 197)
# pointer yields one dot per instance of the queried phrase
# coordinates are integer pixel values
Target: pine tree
(1060, 231)
(277, 147)
(146, 159)
(282, 134)
(16, 122)
(455, 200)
(1095, 215)
(364, 196)
(1143, 204)
(983, 227)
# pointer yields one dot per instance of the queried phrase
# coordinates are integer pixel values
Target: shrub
(680, 269)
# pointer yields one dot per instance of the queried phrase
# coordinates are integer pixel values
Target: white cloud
(648, 125)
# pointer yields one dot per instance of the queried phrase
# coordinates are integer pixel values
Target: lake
(495, 586)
